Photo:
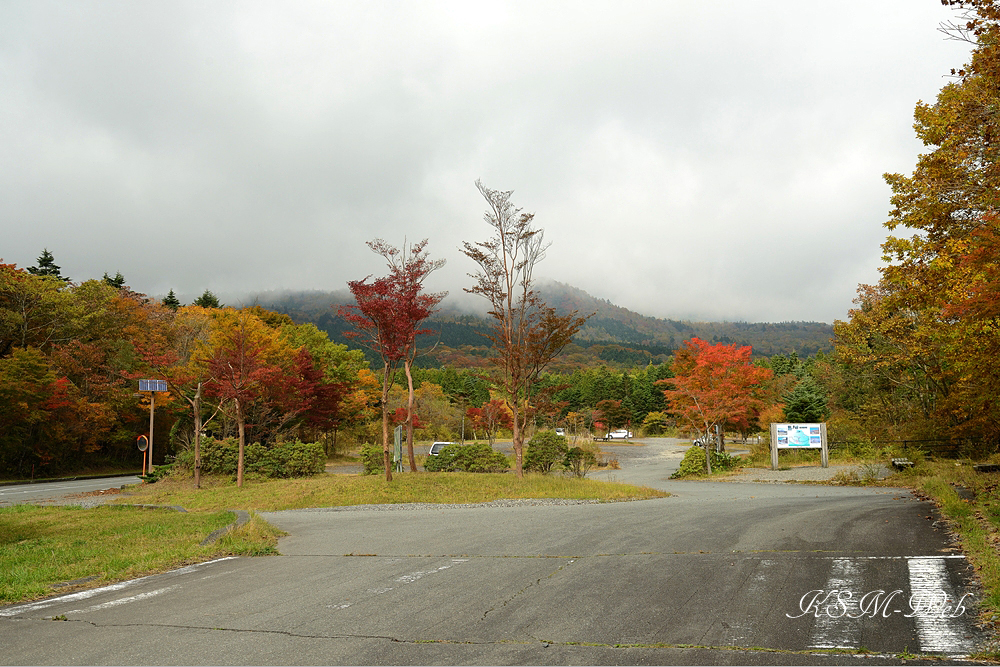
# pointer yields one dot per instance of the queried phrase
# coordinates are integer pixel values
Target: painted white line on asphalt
(413, 576)
(939, 631)
(934, 605)
(84, 595)
(837, 629)
(121, 601)
(755, 590)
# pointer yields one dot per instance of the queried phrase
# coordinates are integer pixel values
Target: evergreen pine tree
(117, 282)
(806, 403)
(171, 301)
(47, 266)
(208, 300)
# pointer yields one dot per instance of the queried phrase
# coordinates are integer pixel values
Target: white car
(437, 447)
(620, 434)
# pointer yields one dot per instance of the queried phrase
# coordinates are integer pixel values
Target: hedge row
(286, 459)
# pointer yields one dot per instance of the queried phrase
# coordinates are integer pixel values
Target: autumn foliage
(716, 385)
(919, 356)
(71, 355)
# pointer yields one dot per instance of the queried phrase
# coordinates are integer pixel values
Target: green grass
(976, 521)
(340, 490)
(42, 547)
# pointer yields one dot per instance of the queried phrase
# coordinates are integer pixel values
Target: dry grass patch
(341, 490)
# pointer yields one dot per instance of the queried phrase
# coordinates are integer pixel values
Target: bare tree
(526, 334)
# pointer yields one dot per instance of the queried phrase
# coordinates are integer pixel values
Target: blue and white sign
(798, 436)
(152, 385)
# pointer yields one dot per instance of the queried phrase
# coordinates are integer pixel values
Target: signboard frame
(152, 385)
(805, 436)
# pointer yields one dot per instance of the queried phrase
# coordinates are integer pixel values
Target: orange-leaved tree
(247, 363)
(715, 384)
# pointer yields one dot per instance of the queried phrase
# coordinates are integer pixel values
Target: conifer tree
(208, 300)
(47, 267)
(171, 301)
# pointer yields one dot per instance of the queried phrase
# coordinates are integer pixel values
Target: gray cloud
(707, 160)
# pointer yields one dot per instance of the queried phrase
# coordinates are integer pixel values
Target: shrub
(578, 461)
(479, 457)
(373, 459)
(693, 463)
(286, 459)
(159, 472)
(544, 450)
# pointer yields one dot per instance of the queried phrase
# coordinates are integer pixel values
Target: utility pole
(151, 386)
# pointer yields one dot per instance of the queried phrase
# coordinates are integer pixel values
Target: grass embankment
(341, 490)
(45, 550)
(970, 501)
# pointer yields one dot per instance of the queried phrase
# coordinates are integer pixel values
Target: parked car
(620, 434)
(437, 447)
(561, 431)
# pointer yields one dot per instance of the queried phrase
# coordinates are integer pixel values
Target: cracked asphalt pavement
(719, 573)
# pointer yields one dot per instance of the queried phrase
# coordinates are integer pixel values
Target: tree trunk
(196, 403)
(517, 438)
(386, 458)
(242, 428)
(409, 416)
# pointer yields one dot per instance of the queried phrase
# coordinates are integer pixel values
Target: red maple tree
(715, 384)
(387, 317)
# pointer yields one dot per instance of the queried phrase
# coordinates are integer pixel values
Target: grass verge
(970, 501)
(46, 550)
(340, 490)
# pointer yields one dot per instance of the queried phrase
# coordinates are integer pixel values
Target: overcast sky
(719, 159)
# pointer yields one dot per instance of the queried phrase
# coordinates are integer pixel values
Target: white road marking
(50, 486)
(84, 595)
(835, 628)
(121, 601)
(932, 603)
(939, 632)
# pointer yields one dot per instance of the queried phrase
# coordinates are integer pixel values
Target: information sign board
(799, 436)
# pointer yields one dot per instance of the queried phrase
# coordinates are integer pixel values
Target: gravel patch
(798, 474)
(502, 502)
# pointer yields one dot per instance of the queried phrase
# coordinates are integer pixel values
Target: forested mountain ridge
(614, 335)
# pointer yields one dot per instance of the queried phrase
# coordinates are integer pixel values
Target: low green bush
(284, 459)
(372, 459)
(479, 457)
(544, 450)
(693, 463)
(579, 461)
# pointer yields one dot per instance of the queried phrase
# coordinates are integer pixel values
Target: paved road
(59, 493)
(720, 573)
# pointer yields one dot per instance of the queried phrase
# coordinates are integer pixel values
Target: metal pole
(152, 404)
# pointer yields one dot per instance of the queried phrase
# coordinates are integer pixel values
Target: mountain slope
(613, 335)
